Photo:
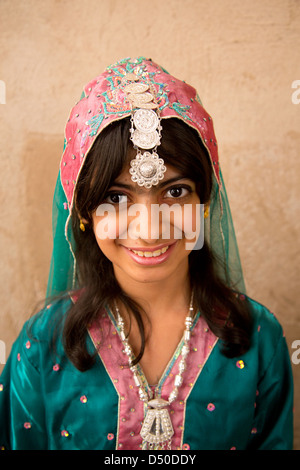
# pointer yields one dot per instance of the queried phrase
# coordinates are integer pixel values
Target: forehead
(124, 179)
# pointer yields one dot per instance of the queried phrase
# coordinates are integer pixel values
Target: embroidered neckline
(131, 411)
(170, 364)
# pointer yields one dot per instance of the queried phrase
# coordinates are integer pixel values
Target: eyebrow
(160, 185)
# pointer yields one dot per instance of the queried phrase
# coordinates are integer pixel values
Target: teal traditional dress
(46, 403)
(224, 404)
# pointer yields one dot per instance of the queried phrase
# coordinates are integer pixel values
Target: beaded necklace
(157, 429)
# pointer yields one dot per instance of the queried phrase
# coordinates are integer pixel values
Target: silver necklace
(157, 429)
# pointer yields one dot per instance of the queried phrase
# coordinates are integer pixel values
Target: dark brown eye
(178, 191)
(116, 198)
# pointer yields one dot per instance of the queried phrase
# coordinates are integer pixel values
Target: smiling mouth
(150, 254)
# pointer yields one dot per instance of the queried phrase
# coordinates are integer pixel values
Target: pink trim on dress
(131, 409)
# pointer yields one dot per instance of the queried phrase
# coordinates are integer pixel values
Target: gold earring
(82, 226)
(206, 212)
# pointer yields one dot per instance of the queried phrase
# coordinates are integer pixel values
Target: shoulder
(47, 320)
(264, 321)
(268, 338)
(41, 333)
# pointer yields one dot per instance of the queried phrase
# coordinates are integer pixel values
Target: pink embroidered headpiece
(107, 98)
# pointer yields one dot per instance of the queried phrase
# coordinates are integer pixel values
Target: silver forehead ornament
(147, 168)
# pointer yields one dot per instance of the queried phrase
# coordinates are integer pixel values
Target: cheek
(104, 232)
(105, 227)
(193, 229)
(186, 220)
(109, 222)
(192, 218)
(107, 230)
(105, 245)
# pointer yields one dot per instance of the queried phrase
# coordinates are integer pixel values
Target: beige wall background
(242, 56)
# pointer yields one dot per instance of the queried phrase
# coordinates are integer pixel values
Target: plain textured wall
(241, 56)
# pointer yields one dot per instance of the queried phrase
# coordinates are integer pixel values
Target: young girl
(149, 341)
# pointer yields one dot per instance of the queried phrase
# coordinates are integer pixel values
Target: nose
(142, 224)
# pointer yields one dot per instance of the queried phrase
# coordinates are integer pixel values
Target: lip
(144, 248)
(153, 260)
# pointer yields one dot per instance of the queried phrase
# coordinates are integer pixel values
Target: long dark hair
(226, 315)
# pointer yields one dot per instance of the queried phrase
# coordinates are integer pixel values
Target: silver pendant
(139, 100)
(157, 429)
(136, 88)
(147, 169)
(145, 140)
(146, 120)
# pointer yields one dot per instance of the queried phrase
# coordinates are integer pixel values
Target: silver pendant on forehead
(147, 169)
(146, 120)
(145, 140)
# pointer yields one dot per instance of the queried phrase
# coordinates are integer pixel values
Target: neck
(169, 295)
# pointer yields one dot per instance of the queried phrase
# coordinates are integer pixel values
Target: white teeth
(151, 254)
(157, 253)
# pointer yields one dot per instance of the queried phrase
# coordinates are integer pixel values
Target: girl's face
(148, 234)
